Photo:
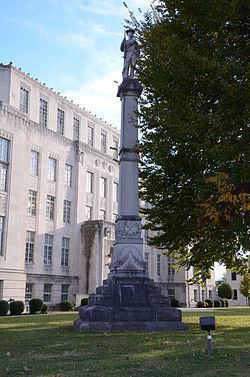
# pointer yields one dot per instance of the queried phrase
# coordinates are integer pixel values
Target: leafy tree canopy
(245, 286)
(194, 120)
(225, 291)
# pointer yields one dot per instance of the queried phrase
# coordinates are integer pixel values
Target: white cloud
(98, 95)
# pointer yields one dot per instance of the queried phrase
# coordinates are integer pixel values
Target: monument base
(131, 303)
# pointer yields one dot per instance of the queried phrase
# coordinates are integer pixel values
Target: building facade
(59, 199)
(234, 281)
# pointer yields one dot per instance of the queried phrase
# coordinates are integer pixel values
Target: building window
(32, 203)
(24, 100)
(65, 252)
(60, 121)
(34, 158)
(103, 187)
(102, 214)
(28, 291)
(210, 294)
(171, 269)
(115, 149)
(203, 295)
(52, 169)
(4, 163)
(195, 295)
(90, 135)
(235, 295)
(115, 192)
(48, 247)
(66, 211)
(233, 276)
(29, 251)
(1, 234)
(68, 175)
(158, 265)
(171, 293)
(103, 142)
(43, 114)
(90, 180)
(114, 217)
(146, 256)
(65, 292)
(88, 212)
(47, 292)
(50, 207)
(76, 129)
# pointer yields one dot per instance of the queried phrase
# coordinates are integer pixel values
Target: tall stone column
(128, 251)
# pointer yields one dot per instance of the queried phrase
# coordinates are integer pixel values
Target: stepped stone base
(131, 303)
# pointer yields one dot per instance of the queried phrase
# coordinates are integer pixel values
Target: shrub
(35, 305)
(225, 291)
(226, 303)
(175, 303)
(209, 303)
(201, 304)
(217, 304)
(4, 307)
(84, 301)
(222, 303)
(44, 309)
(16, 307)
(65, 306)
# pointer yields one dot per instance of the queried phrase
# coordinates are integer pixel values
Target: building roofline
(71, 103)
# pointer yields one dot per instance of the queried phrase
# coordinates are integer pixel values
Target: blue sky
(71, 45)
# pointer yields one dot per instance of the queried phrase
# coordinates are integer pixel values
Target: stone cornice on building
(59, 97)
(13, 113)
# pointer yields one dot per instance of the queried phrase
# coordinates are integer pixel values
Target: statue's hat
(130, 30)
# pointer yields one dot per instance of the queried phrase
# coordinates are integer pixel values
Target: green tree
(194, 121)
(245, 287)
(225, 291)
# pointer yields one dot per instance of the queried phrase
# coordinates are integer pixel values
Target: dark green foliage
(65, 306)
(209, 303)
(222, 303)
(201, 304)
(175, 303)
(35, 305)
(217, 304)
(245, 287)
(84, 301)
(16, 307)
(44, 309)
(225, 291)
(4, 307)
(194, 120)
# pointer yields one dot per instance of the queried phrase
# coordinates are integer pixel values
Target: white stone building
(234, 280)
(58, 169)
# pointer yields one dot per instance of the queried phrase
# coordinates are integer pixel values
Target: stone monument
(128, 299)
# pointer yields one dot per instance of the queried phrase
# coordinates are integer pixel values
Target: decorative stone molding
(36, 148)
(104, 165)
(51, 188)
(34, 183)
(97, 162)
(6, 135)
(111, 168)
(31, 223)
(128, 229)
(49, 226)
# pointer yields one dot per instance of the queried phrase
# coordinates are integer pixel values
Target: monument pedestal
(128, 303)
(128, 299)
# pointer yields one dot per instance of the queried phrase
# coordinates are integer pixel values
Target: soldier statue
(131, 51)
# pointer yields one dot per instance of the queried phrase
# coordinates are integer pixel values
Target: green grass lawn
(46, 345)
